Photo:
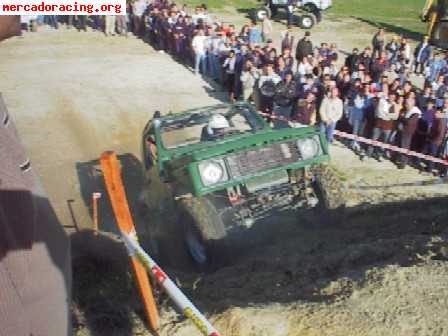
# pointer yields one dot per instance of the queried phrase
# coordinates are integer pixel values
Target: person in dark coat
(422, 54)
(378, 67)
(352, 60)
(366, 59)
(378, 42)
(304, 112)
(409, 124)
(304, 47)
(436, 136)
(290, 11)
(287, 39)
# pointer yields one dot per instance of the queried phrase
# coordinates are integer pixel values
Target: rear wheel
(307, 21)
(260, 13)
(204, 232)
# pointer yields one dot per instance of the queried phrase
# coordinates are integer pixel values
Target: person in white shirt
(138, 9)
(248, 78)
(266, 85)
(330, 112)
(110, 21)
(199, 47)
(304, 68)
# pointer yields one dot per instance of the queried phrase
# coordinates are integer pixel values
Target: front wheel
(332, 193)
(204, 232)
(307, 21)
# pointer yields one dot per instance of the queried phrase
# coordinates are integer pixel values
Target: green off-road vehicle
(245, 173)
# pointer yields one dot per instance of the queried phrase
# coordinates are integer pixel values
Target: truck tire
(312, 8)
(204, 232)
(259, 13)
(307, 21)
(331, 192)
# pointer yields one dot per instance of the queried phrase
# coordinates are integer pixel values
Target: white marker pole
(180, 300)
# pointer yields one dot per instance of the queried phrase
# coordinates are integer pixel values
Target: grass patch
(398, 16)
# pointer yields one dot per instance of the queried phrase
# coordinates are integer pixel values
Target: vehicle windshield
(189, 129)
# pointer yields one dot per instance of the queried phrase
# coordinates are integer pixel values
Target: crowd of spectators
(299, 83)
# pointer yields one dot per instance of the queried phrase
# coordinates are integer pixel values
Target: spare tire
(307, 21)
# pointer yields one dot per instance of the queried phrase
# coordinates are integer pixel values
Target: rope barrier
(370, 142)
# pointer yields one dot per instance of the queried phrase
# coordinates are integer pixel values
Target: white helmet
(217, 121)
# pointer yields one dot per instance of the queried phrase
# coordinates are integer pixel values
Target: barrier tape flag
(371, 142)
(180, 300)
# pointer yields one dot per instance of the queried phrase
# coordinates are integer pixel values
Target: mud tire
(199, 217)
(331, 191)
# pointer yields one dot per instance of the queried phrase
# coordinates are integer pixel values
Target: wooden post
(115, 189)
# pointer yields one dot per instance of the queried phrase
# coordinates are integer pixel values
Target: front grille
(254, 161)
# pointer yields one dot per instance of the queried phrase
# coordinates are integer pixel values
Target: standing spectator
(229, 66)
(386, 114)
(356, 118)
(422, 54)
(304, 68)
(110, 25)
(52, 20)
(304, 47)
(266, 84)
(254, 34)
(378, 42)
(82, 22)
(266, 29)
(213, 56)
(304, 113)
(249, 77)
(352, 60)
(138, 9)
(287, 39)
(244, 37)
(409, 123)
(392, 50)
(284, 98)
(332, 54)
(366, 59)
(199, 48)
(434, 66)
(405, 50)
(436, 136)
(378, 67)
(121, 22)
(330, 112)
(289, 60)
(290, 11)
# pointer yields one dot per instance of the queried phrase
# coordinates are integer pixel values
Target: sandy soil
(383, 271)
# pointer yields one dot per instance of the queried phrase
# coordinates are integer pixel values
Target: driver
(215, 128)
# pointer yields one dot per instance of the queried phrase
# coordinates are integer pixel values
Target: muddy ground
(382, 271)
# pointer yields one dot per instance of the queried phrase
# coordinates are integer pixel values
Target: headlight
(212, 172)
(309, 148)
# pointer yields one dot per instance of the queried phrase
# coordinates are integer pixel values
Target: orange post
(115, 189)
